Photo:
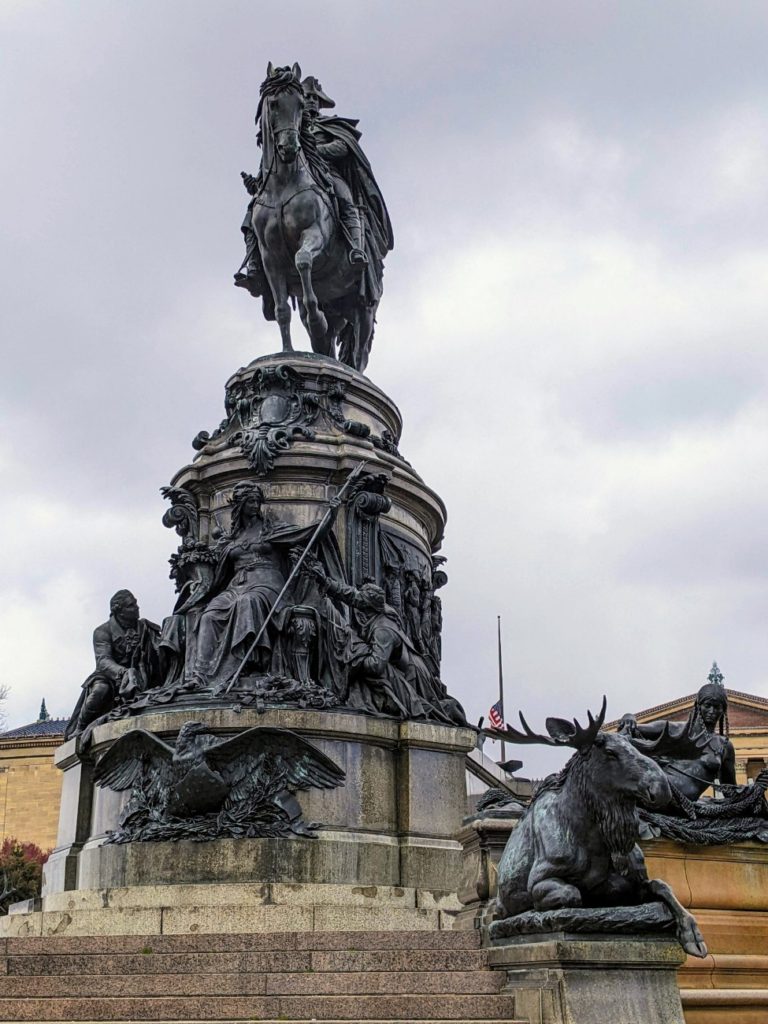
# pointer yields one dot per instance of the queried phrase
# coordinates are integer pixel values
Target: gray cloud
(573, 322)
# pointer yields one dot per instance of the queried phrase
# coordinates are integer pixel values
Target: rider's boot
(251, 273)
(252, 277)
(353, 227)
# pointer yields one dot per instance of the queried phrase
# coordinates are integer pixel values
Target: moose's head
(616, 768)
(281, 106)
(625, 770)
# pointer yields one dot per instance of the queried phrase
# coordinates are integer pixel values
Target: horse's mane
(284, 80)
(281, 80)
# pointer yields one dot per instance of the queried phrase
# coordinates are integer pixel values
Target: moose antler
(561, 732)
(691, 739)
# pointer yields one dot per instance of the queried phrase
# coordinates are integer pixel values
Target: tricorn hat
(312, 87)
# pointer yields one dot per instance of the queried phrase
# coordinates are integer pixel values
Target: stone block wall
(30, 790)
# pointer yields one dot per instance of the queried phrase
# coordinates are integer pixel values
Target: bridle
(273, 132)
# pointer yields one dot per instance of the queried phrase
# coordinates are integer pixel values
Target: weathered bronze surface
(696, 755)
(576, 845)
(128, 662)
(206, 788)
(317, 228)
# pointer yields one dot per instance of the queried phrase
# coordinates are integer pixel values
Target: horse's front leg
(312, 242)
(279, 286)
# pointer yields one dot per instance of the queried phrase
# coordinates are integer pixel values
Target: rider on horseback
(342, 167)
(334, 138)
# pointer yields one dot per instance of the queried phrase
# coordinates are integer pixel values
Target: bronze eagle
(206, 788)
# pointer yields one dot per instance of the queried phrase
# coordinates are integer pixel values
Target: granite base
(562, 979)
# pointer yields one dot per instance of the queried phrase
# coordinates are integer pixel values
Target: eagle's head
(188, 733)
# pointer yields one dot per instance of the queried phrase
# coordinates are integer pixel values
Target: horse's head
(280, 111)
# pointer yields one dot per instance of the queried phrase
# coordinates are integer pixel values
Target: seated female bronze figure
(695, 754)
(251, 570)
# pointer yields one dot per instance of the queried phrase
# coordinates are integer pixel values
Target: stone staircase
(290, 977)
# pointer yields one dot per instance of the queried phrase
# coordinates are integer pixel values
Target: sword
(321, 526)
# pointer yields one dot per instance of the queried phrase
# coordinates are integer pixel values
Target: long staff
(501, 685)
(321, 526)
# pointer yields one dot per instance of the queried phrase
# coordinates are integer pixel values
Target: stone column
(431, 798)
(60, 870)
(482, 840)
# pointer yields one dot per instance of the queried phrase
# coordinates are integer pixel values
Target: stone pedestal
(561, 979)
(724, 887)
(336, 668)
(392, 823)
(298, 423)
(482, 841)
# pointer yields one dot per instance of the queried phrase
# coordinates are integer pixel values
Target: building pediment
(745, 710)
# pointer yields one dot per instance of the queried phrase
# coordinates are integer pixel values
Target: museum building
(30, 783)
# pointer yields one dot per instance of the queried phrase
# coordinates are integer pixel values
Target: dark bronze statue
(266, 615)
(576, 846)
(696, 755)
(7, 894)
(317, 228)
(206, 787)
(387, 675)
(128, 662)
(223, 615)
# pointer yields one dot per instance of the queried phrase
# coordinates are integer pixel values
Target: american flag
(495, 716)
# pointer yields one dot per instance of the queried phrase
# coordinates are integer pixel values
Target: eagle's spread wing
(136, 759)
(272, 760)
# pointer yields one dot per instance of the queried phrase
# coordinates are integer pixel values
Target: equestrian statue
(317, 229)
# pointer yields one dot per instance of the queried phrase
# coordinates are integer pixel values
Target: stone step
(371, 976)
(240, 942)
(310, 983)
(216, 919)
(414, 1007)
(233, 907)
(252, 894)
(235, 963)
(285, 1020)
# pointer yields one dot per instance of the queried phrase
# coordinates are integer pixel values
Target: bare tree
(6, 896)
(4, 691)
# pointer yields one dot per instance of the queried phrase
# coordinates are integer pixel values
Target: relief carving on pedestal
(269, 614)
(209, 788)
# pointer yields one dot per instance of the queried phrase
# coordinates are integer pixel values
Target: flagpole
(501, 686)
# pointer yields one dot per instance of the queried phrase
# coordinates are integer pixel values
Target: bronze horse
(300, 240)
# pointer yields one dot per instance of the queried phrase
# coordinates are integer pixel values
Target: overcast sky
(573, 323)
